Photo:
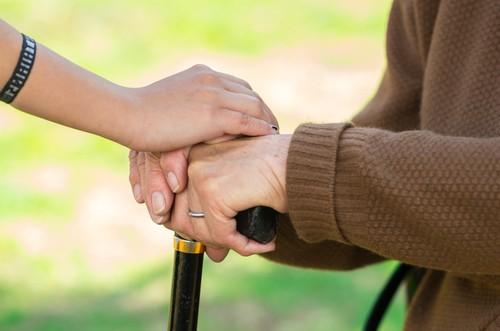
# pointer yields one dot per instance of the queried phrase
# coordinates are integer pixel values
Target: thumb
(174, 165)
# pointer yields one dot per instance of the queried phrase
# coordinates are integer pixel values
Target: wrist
(277, 159)
(130, 128)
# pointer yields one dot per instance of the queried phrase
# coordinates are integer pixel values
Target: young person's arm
(195, 105)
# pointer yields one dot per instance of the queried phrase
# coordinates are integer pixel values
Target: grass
(235, 296)
(97, 33)
(61, 289)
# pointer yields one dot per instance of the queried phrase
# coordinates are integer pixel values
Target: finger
(216, 254)
(174, 166)
(272, 118)
(246, 247)
(134, 177)
(235, 79)
(180, 221)
(168, 225)
(199, 225)
(243, 103)
(223, 233)
(236, 123)
(217, 230)
(141, 167)
(159, 198)
(222, 139)
(236, 88)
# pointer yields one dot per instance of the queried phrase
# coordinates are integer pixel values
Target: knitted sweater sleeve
(324, 254)
(327, 254)
(394, 107)
(415, 196)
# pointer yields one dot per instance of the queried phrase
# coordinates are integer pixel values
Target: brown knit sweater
(416, 178)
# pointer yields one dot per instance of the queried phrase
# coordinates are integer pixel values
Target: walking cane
(257, 223)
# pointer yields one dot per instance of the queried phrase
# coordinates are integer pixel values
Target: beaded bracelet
(21, 72)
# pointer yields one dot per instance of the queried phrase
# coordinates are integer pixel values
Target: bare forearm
(187, 108)
(10, 40)
(65, 93)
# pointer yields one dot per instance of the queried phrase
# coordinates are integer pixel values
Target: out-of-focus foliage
(73, 250)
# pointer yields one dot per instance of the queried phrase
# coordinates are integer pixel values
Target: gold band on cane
(188, 246)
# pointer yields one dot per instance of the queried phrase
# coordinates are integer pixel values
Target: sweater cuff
(311, 170)
(352, 196)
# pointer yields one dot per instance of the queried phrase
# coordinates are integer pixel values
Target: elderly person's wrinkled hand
(227, 178)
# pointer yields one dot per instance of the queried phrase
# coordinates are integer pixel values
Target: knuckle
(243, 251)
(195, 169)
(141, 160)
(236, 245)
(247, 84)
(132, 155)
(244, 120)
(208, 78)
(200, 67)
(153, 180)
(133, 177)
(154, 173)
(170, 160)
(167, 160)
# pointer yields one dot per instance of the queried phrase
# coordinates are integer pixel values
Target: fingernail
(275, 128)
(137, 192)
(158, 202)
(172, 182)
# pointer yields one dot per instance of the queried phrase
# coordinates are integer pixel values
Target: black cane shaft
(185, 296)
(257, 223)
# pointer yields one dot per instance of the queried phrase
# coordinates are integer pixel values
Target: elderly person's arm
(418, 197)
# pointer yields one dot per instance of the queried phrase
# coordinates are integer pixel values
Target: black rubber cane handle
(258, 223)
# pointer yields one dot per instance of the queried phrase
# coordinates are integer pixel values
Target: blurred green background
(77, 253)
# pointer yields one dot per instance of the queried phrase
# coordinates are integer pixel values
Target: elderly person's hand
(226, 178)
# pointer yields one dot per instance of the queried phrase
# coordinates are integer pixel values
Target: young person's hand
(227, 178)
(193, 106)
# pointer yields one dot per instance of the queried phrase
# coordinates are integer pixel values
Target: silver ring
(196, 214)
